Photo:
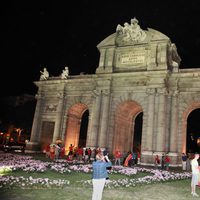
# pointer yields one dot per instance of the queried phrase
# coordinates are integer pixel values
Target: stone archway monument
(138, 72)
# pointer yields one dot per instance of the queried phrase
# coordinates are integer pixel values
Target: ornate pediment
(129, 33)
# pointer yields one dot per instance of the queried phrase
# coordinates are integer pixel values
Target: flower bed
(12, 162)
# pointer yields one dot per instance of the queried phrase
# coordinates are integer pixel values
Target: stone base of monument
(32, 147)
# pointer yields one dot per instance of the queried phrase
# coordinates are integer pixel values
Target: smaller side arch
(74, 117)
(189, 109)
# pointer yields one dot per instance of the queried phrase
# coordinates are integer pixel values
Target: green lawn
(177, 190)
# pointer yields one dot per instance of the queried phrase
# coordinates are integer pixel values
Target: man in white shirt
(195, 175)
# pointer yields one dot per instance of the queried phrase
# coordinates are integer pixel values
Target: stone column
(57, 128)
(63, 124)
(150, 119)
(168, 121)
(102, 137)
(156, 102)
(33, 145)
(101, 66)
(94, 122)
(161, 120)
(174, 123)
(109, 60)
(89, 130)
(102, 58)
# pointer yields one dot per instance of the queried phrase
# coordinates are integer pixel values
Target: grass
(177, 190)
(173, 190)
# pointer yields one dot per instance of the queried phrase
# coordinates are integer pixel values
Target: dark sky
(53, 35)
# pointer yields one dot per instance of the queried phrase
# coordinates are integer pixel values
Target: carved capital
(150, 91)
(51, 107)
(175, 93)
(96, 93)
(60, 95)
(162, 91)
(106, 92)
(39, 96)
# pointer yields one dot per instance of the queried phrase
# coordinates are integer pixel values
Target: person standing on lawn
(157, 161)
(195, 174)
(57, 151)
(99, 175)
(47, 151)
(118, 156)
(167, 161)
(188, 165)
(52, 151)
(184, 161)
(71, 151)
(128, 159)
(163, 161)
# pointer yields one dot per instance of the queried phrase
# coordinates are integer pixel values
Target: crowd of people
(164, 161)
(80, 154)
(55, 151)
(128, 159)
(102, 161)
(87, 155)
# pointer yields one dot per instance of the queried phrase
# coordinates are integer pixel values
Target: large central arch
(124, 125)
(75, 114)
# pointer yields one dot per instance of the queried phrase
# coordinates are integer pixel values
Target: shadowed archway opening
(83, 130)
(193, 131)
(77, 122)
(127, 129)
(137, 138)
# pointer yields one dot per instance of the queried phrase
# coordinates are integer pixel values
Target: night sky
(35, 35)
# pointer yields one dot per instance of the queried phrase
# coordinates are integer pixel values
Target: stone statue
(130, 32)
(44, 74)
(65, 73)
(119, 29)
(174, 58)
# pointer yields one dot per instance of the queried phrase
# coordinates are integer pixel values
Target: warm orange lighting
(198, 141)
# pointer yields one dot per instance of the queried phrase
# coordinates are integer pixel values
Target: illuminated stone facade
(138, 72)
